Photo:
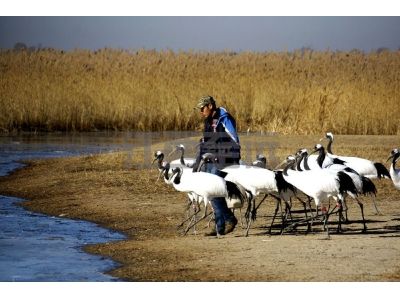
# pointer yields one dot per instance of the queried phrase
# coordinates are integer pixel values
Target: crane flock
(308, 177)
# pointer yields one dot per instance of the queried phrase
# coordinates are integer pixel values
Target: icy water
(36, 247)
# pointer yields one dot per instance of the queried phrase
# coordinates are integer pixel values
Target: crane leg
(275, 213)
(362, 214)
(250, 207)
(197, 221)
(248, 227)
(309, 199)
(250, 204)
(377, 212)
(305, 212)
(195, 208)
(340, 210)
(189, 218)
(285, 216)
(326, 217)
(240, 217)
(288, 210)
(345, 218)
(254, 212)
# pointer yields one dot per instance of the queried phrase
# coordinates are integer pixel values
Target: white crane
(187, 162)
(258, 181)
(286, 192)
(362, 166)
(234, 199)
(319, 185)
(194, 201)
(206, 185)
(395, 173)
(363, 184)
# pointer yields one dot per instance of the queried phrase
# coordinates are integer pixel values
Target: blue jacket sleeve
(230, 128)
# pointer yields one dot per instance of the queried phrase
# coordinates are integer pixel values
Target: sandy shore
(102, 189)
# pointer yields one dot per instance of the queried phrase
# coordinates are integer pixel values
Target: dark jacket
(220, 138)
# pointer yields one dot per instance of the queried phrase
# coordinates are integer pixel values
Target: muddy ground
(106, 190)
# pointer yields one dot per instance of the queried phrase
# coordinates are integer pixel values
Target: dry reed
(300, 92)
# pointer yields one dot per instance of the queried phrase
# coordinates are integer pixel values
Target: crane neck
(298, 164)
(166, 171)
(329, 146)
(288, 166)
(306, 166)
(182, 155)
(321, 156)
(159, 162)
(395, 160)
(177, 179)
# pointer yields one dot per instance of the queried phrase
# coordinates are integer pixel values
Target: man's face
(206, 111)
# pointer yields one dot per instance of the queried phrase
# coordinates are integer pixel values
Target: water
(36, 247)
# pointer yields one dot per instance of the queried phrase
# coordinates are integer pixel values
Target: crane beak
(323, 138)
(200, 166)
(390, 157)
(173, 151)
(280, 164)
(316, 150)
(154, 161)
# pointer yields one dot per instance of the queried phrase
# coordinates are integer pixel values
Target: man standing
(221, 139)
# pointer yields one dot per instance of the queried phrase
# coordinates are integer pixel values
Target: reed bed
(300, 92)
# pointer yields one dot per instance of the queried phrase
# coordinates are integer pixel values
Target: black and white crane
(395, 173)
(237, 195)
(362, 166)
(205, 185)
(363, 184)
(258, 181)
(194, 201)
(320, 185)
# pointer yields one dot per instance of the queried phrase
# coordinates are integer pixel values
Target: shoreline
(101, 189)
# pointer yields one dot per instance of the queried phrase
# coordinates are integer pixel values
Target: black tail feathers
(236, 191)
(346, 184)
(368, 186)
(381, 170)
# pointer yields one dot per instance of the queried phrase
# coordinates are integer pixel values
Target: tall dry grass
(298, 92)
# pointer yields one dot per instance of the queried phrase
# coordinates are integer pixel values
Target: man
(221, 139)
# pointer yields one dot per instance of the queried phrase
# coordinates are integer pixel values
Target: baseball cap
(205, 100)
